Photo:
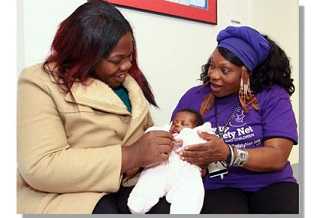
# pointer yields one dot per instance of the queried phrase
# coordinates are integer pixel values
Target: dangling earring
(246, 96)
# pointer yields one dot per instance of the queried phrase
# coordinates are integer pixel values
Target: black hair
(83, 39)
(198, 118)
(275, 70)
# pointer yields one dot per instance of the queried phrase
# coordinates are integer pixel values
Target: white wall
(170, 50)
(37, 23)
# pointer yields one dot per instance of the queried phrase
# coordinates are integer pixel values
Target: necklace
(220, 132)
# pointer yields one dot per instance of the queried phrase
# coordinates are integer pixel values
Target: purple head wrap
(246, 43)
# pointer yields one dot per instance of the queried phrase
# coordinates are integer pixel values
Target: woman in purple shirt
(246, 96)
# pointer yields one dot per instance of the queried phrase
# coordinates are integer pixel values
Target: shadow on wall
(296, 172)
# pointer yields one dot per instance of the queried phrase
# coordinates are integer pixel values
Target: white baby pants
(178, 180)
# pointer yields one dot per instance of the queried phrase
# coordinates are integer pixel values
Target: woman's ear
(245, 70)
(244, 76)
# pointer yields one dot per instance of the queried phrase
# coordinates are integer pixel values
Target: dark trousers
(116, 203)
(278, 198)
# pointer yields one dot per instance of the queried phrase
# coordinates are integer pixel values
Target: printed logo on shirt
(254, 143)
(238, 119)
(238, 133)
(237, 130)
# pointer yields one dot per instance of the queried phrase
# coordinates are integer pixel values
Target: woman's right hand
(154, 147)
(151, 149)
(215, 149)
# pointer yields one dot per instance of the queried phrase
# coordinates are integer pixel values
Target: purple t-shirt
(248, 130)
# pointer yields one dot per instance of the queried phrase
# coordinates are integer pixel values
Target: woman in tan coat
(82, 116)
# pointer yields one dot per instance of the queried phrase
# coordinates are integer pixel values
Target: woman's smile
(119, 77)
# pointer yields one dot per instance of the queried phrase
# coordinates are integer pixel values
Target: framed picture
(197, 10)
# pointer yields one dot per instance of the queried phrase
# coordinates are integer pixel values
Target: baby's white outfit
(178, 180)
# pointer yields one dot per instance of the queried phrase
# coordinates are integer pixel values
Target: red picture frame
(207, 14)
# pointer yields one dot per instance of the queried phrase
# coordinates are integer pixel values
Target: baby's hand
(177, 145)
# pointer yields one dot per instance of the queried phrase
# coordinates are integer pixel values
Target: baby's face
(181, 120)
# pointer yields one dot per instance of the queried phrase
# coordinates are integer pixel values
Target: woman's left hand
(202, 154)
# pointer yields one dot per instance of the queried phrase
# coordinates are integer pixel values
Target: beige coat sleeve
(45, 159)
(150, 121)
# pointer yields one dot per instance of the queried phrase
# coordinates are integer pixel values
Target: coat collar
(100, 96)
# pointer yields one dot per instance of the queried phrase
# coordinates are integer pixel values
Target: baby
(179, 181)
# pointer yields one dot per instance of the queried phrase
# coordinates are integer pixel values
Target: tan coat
(69, 155)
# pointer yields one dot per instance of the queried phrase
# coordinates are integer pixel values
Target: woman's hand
(202, 154)
(132, 172)
(151, 149)
(203, 172)
(154, 147)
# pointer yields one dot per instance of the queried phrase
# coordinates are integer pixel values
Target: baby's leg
(187, 193)
(149, 189)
